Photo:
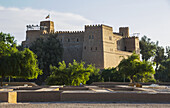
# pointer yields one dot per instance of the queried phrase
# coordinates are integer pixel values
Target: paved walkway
(84, 105)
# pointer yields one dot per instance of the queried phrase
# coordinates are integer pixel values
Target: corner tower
(47, 25)
(93, 46)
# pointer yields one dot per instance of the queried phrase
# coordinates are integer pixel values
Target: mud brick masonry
(97, 44)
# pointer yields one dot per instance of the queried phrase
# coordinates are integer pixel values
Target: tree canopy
(49, 51)
(14, 63)
(147, 48)
(132, 66)
(111, 75)
(73, 74)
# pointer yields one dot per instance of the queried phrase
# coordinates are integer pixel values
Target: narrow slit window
(92, 36)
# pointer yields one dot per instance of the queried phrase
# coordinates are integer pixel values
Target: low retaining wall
(116, 97)
(19, 83)
(10, 97)
(41, 96)
(126, 83)
(74, 88)
(3, 96)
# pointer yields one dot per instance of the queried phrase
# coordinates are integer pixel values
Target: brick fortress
(97, 44)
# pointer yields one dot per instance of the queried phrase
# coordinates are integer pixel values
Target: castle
(97, 44)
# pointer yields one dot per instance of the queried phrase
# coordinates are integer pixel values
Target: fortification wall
(31, 36)
(72, 44)
(112, 59)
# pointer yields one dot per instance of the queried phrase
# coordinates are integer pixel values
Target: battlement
(68, 32)
(97, 25)
(124, 27)
(131, 37)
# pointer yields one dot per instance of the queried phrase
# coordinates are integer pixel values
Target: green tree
(14, 63)
(147, 48)
(168, 52)
(6, 42)
(163, 73)
(132, 66)
(95, 76)
(159, 56)
(111, 75)
(49, 52)
(74, 74)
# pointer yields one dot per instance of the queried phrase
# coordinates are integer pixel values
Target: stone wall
(73, 46)
(117, 97)
(132, 44)
(92, 46)
(44, 96)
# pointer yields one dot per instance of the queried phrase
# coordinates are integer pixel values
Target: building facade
(97, 44)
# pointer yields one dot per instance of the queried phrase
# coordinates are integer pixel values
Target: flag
(47, 17)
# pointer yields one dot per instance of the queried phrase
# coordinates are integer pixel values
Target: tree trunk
(2, 80)
(156, 67)
(131, 79)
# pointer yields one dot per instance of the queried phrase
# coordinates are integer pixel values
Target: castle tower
(124, 31)
(93, 46)
(47, 25)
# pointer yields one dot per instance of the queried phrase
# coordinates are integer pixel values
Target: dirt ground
(85, 105)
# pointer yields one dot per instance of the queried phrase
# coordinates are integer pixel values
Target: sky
(147, 17)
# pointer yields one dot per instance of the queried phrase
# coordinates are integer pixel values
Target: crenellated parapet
(97, 25)
(68, 32)
(132, 37)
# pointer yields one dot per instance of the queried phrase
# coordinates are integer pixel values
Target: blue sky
(147, 17)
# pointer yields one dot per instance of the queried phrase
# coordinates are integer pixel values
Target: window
(96, 48)
(61, 40)
(77, 39)
(68, 40)
(91, 48)
(85, 47)
(110, 38)
(89, 36)
(92, 36)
